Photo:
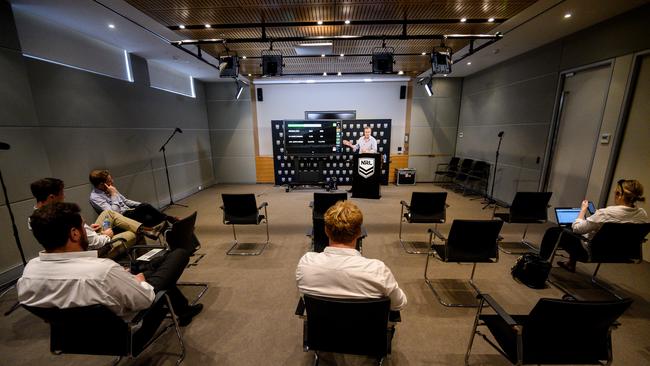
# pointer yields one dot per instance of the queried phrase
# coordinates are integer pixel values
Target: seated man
(105, 196)
(340, 271)
(67, 275)
(50, 190)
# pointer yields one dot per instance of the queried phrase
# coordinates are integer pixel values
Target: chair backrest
(570, 332)
(481, 169)
(466, 165)
(530, 207)
(239, 208)
(323, 201)
(618, 243)
(473, 241)
(353, 326)
(93, 330)
(453, 164)
(181, 234)
(429, 205)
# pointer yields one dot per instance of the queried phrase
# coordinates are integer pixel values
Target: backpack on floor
(531, 270)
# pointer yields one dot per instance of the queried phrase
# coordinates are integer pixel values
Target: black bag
(531, 270)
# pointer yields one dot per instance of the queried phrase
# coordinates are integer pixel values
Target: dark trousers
(163, 272)
(146, 214)
(568, 242)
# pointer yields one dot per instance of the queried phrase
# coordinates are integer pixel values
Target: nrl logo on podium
(366, 167)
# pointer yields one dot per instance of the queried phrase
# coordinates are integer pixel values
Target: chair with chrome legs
(446, 170)
(242, 209)
(425, 208)
(555, 331)
(470, 241)
(526, 208)
(96, 330)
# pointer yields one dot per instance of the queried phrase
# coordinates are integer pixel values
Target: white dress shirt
(345, 273)
(74, 279)
(622, 214)
(95, 239)
(366, 146)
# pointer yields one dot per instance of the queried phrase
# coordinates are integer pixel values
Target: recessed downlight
(324, 74)
(208, 26)
(322, 55)
(243, 57)
(339, 73)
(112, 26)
(400, 72)
(463, 20)
(491, 20)
(469, 63)
(567, 15)
(424, 53)
(342, 55)
(347, 21)
(320, 22)
(181, 26)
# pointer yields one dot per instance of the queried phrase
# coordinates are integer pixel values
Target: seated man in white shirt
(67, 275)
(50, 190)
(340, 271)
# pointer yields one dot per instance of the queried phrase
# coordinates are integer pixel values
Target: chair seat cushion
(244, 220)
(503, 333)
(461, 257)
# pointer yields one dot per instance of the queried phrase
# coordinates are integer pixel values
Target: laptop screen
(566, 216)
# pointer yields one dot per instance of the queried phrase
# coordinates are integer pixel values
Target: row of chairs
(466, 176)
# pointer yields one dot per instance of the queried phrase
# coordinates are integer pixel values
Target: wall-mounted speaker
(402, 92)
(260, 95)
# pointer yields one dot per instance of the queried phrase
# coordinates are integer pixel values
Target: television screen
(330, 115)
(313, 137)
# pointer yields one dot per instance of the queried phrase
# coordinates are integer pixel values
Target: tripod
(11, 284)
(169, 186)
(490, 199)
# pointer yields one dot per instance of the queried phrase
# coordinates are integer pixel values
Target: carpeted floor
(249, 318)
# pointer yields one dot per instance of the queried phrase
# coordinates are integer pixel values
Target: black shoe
(153, 232)
(185, 317)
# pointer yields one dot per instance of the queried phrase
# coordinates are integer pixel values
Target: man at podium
(365, 144)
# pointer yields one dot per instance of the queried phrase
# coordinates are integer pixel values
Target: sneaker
(185, 317)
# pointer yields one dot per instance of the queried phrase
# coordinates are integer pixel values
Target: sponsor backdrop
(337, 167)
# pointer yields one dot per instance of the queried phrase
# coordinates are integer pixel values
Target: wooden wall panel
(397, 162)
(264, 169)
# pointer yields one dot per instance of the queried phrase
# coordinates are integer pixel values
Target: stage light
(424, 53)
(469, 63)
(343, 54)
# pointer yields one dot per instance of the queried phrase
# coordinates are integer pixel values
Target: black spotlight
(271, 65)
(228, 66)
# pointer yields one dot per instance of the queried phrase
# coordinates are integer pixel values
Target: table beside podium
(367, 176)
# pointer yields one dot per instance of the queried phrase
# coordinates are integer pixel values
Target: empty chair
(446, 171)
(351, 326)
(96, 330)
(613, 243)
(242, 209)
(476, 180)
(555, 331)
(526, 208)
(322, 202)
(425, 208)
(470, 241)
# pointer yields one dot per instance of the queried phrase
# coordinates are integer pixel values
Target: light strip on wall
(172, 91)
(129, 75)
(192, 86)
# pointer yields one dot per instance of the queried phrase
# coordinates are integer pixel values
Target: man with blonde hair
(340, 271)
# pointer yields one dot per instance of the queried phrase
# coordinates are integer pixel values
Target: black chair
(555, 331)
(96, 330)
(613, 243)
(425, 208)
(526, 208)
(476, 181)
(242, 209)
(321, 203)
(446, 170)
(470, 241)
(351, 326)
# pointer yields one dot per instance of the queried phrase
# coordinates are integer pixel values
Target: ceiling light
(322, 55)
(181, 26)
(320, 22)
(469, 63)
(252, 75)
(463, 20)
(208, 26)
(243, 57)
(567, 15)
(400, 72)
(324, 74)
(339, 73)
(367, 80)
(321, 44)
(445, 75)
(112, 26)
(347, 21)
(491, 20)
(424, 53)
(342, 55)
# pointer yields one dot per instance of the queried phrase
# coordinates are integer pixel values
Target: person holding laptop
(624, 210)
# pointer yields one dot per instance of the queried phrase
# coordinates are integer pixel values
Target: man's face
(367, 132)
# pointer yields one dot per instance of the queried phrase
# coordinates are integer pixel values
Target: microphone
(500, 134)
(179, 130)
(4, 146)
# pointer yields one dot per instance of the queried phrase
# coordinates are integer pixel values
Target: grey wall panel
(10, 256)
(234, 169)
(232, 114)
(421, 140)
(444, 141)
(25, 162)
(423, 168)
(16, 106)
(423, 112)
(511, 179)
(447, 110)
(232, 143)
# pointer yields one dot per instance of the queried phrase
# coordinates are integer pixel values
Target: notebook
(565, 216)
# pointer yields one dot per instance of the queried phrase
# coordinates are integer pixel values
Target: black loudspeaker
(272, 65)
(260, 95)
(402, 92)
(382, 63)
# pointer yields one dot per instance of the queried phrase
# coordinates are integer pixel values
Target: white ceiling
(135, 32)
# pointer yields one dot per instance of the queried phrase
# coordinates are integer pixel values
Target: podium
(367, 176)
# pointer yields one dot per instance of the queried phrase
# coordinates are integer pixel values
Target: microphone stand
(169, 186)
(491, 200)
(12, 284)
